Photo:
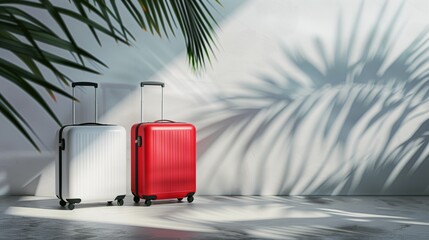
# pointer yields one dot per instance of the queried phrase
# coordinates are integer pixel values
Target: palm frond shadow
(356, 98)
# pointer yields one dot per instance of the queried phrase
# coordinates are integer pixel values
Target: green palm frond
(25, 36)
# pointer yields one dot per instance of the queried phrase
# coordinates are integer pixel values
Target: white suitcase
(91, 165)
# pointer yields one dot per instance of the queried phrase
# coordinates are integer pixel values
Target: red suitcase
(163, 158)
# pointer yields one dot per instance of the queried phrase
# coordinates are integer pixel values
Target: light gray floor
(220, 218)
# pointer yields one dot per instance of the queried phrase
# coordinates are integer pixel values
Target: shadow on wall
(362, 104)
(25, 178)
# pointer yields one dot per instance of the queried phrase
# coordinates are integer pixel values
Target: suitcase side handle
(86, 84)
(151, 83)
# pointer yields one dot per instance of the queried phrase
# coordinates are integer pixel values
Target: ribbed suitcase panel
(170, 159)
(95, 163)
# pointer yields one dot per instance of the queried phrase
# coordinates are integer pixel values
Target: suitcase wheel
(120, 202)
(190, 199)
(148, 202)
(136, 199)
(71, 206)
(179, 199)
(62, 203)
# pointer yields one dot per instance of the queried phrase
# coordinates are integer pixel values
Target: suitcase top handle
(86, 84)
(152, 83)
(164, 121)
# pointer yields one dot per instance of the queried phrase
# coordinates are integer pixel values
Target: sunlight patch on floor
(113, 215)
(359, 215)
(253, 213)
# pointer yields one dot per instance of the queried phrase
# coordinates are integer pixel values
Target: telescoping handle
(86, 84)
(162, 85)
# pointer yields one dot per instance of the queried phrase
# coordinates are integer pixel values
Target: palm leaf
(21, 34)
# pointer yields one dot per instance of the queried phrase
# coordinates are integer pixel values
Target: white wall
(305, 97)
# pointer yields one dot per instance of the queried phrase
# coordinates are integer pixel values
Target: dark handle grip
(164, 120)
(142, 84)
(89, 84)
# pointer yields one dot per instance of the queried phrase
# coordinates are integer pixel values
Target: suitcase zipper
(61, 148)
(138, 143)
